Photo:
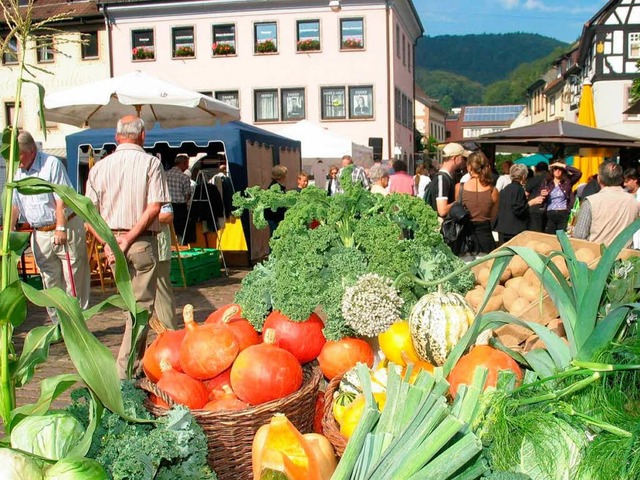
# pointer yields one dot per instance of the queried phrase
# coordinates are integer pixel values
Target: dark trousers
(537, 220)
(556, 220)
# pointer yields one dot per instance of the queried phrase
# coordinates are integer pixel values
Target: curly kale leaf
(173, 447)
(257, 200)
(254, 295)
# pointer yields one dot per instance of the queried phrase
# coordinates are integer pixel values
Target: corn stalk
(93, 360)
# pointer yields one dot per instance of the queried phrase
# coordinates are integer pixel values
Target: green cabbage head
(76, 468)
(17, 466)
(50, 436)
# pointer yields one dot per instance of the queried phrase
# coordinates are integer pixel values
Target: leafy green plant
(266, 46)
(184, 51)
(223, 49)
(93, 360)
(353, 233)
(308, 44)
(143, 53)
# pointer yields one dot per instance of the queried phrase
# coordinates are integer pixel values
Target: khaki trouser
(165, 306)
(142, 261)
(52, 262)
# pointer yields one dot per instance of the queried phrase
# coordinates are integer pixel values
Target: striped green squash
(437, 322)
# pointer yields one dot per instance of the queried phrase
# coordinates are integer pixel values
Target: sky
(559, 19)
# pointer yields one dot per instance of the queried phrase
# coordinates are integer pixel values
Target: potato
(544, 248)
(506, 275)
(519, 306)
(474, 297)
(483, 276)
(559, 262)
(498, 290)
(530, 292)
(514, 283)
(494, 304)
(585, 255)
(509, 296)
(531, 277)
(517, 266)
(532, 244)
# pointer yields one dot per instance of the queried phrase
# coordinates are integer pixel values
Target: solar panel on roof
(495, 113)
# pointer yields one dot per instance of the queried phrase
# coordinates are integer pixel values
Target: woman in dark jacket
(559, 195)
(513, 208)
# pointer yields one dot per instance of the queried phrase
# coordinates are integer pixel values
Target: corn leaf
(34, 352)
(13, 306)
(83, 207)
(43, 122)
(50, 389)
(95, 415)
(92, 359)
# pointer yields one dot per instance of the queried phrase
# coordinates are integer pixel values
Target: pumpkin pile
(224, 364)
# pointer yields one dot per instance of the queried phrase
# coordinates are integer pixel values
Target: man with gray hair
(603, 215)
(59, 240)
(128, 188)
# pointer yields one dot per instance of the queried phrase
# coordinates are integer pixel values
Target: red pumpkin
(264, 372)
(167, 346)
(230, 310)
(304, 339)
(181, 388)
(207, 350)
(227, 401)
(231, 316)
(338, 357)
(216, 385)
(482, 355)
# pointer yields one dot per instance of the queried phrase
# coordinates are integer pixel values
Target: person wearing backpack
(440, 193)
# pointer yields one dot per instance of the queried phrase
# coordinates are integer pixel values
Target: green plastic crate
(200, 265)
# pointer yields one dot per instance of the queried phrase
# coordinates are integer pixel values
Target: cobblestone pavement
(109, 326)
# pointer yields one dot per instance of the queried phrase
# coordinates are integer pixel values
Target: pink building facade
(347, 65)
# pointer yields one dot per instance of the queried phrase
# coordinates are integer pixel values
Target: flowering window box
(223, 49)
(185, 51)
(308, 45)
(352, 44)
(143, 53)
(266, 46)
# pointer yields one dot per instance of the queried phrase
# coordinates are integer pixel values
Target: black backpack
(430, 193)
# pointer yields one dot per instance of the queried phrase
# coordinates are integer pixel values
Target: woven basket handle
(149, 386)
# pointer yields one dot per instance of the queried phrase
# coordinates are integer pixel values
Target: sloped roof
(559, 131)
(79, 8)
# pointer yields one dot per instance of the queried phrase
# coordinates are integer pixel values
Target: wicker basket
(230, 434)
(330, 427)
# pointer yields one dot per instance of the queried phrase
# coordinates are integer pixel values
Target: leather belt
(49, 228)
(144, 233)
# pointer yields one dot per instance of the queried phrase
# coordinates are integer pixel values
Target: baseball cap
(454, 149)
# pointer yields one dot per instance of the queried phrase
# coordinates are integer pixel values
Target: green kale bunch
(324, 244)
(173, 447)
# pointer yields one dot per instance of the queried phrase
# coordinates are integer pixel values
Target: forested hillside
(483, 69)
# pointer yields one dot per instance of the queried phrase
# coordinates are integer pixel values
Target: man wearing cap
(58, 241)
(442, 188)
(129, 188)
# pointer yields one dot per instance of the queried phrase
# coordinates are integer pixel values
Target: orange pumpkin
(207, 350)
(181, 388)
(264, 372)
(215, 386)
(279, 448)
(231, 316)
(167, 346)
(227, 401)
(482, 355)
(338, 357)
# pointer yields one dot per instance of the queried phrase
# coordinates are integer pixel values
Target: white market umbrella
(100, 104)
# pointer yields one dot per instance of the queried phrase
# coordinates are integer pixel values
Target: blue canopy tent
(251, 152)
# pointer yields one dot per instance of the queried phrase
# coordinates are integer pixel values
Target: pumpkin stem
(187, 315)
(165, 366)
(227, 390)
(230, 313)
(269, 336)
